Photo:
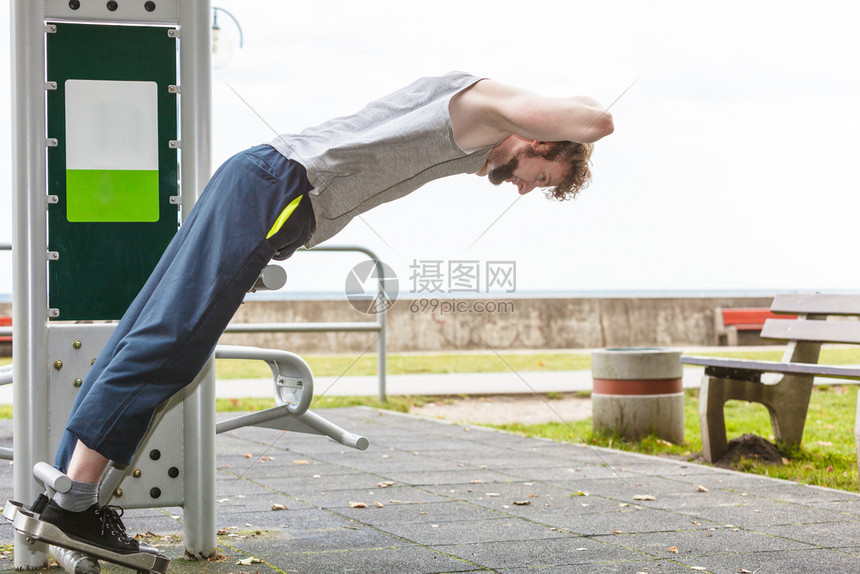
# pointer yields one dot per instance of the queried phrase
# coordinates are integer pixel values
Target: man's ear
(540, 147)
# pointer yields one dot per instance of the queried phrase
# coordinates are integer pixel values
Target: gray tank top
(385, 151)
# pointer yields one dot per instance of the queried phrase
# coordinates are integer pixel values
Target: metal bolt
(118, 493)
(77, 383)
(136, 473)
(149, 6)
(58, 364)
(155, 492)
(155, 454)
(76, 344)
(112, 5)
(172, 472)
(74, 4)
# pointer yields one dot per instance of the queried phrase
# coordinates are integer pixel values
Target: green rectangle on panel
(113, 171)
(119, 195)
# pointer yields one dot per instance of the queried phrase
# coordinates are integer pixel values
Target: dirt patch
(504, 409)
(753, 447)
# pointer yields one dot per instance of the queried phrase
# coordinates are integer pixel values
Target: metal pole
(380, 314)
(199, 408)
(380, 342)
(30, 275)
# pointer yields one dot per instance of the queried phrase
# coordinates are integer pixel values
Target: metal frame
(192, 411)
(347, 326)
(29, 235)
(29, 282)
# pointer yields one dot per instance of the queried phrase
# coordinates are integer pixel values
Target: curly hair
(578, 174)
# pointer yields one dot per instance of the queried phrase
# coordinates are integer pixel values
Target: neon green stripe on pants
(285, 214)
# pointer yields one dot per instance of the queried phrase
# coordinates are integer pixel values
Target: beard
(498, 175)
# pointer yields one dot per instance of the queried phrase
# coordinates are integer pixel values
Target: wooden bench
(5, 322)
(787, 399)
(727, 322)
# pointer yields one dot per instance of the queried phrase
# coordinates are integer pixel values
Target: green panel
(111, 195)
(108, 243)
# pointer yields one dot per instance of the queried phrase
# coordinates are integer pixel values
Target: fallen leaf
(250, 560)
(522, 502)
(379, 504)
(579, 493)
(702, 488)
(222, 500)
(385, 484)
(267, 458)
(301, 462)
(247, 455)
(673, 549)
(644, 497)
(357, 505)
(492, 494)
(280, 507)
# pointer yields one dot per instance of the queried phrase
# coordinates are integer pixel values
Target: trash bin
(637, 392)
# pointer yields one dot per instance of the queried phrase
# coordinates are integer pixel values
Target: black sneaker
(97, 525)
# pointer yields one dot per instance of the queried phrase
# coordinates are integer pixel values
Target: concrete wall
(526, 324)
(502, 325)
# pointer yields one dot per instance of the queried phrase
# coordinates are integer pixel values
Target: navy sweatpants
(173, 325)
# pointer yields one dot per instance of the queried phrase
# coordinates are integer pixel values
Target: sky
(731, 167)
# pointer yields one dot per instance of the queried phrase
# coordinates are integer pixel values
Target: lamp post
(223, 47)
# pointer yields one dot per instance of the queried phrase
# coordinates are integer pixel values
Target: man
(265, 203)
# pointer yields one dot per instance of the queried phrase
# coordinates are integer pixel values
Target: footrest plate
(34, 529)
(11, 509)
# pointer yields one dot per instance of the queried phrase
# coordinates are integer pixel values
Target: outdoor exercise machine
(111, 131)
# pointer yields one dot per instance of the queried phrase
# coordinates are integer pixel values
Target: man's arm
(488, 112)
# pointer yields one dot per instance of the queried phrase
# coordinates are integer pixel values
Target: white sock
(81, 496)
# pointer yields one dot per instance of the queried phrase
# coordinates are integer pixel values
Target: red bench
(5, 322)
(727, 322)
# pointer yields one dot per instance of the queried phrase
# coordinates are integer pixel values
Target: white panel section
(111, 125)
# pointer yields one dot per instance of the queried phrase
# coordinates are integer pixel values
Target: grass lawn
(415, 364)
(827, 456)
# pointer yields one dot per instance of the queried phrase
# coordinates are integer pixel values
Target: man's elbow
(604, 125)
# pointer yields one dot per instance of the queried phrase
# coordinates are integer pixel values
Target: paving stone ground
(468, 499)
